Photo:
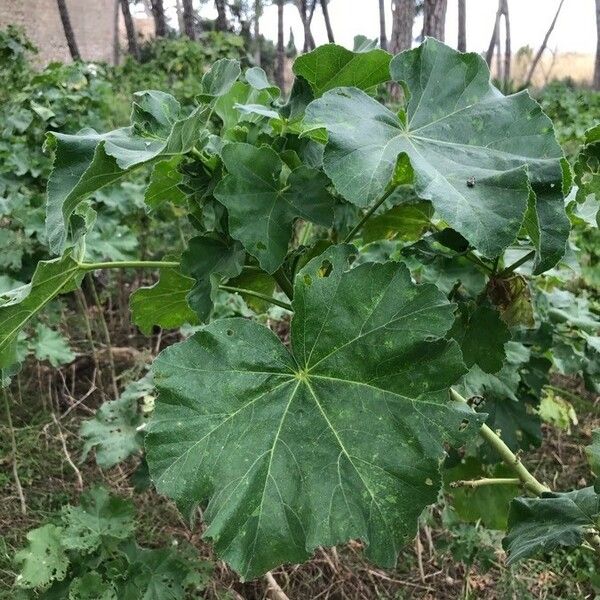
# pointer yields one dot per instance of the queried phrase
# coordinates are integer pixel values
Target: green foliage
(401, 242)
(93, 554)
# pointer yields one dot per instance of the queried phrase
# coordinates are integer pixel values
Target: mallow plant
(393, 240)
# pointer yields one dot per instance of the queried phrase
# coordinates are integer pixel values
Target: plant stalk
(264, 297)
(475, 483)
(13, 444)
(511, 268)
(284, 283)
(368, 215)
(129, 264)
(508, 456)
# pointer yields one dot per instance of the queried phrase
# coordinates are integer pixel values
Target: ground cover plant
(396, 249)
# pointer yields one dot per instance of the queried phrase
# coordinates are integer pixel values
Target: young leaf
(326, 443)
(51, 345)
(257, 78)
(50, 279)
(476, 154)
(241, 94)
(88, 161)
(537, 525)
(332, 66)
(209, 260)
(219, 79)
(587, 167)
(100, 518)
(163, 304)
(44, 560)
(164, 184)
(262, 209)
(113, 431)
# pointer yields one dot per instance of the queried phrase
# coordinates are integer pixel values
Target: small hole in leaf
(230, 332)
(307, 279)
(351, 259)
(463, 424)
(325, 269)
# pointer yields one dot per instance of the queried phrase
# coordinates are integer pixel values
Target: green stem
(13, 445)
(264, 297)
(284, 283)
(367, 215)
(507, 455)
(196, 153)
(517, 264)
(129, 264)
(475, 483)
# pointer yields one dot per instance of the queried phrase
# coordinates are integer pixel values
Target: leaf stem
(129, 264)
(507, 455)
(475, 483)
(367, 215)
(281, 303)
(284, 283)
(517, 264)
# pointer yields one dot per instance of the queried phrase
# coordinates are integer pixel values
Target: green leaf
(18, 306)
(164, 304)
(257, 78)
(262, 208)
(220, 78)
(44, 560)
(113, 431)
(332, 66)
(481, 334)
(91, 586)
(227, 107)
(476, 154)
(257, 281)
(487, 504)
(210, 261)
(593, 452)
(537, 525)
(406, 221)
(321, 444)
(88, 161)
(164, 184)
(51, 345)
(587, 167)
(100, 518)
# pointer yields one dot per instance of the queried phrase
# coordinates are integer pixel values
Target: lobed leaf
(340, 437)
(483, 159)
(262, 208)
(537, 525)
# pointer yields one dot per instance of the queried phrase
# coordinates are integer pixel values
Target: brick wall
(92, 21)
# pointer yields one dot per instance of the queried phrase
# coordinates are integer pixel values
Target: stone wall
(92, 21)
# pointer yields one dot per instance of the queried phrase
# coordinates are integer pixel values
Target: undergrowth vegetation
(351, 347)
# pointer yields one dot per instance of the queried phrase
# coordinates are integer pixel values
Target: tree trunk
(306, 18)
(382, 34)
(160, 23)
(507, 48)
(597, 65)
(434, 18)
(536, 60)
(179, 11)
(188, 19)
(403, 18)
(116, 44)
(327, 21)
(69, 34)
(130, 29)
(221, 23)
(257, 15)
(462, 26)
(279, 72)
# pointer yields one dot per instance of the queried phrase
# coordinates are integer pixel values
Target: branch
(274, 588)
(517, 264)
(475, 483)
(508, 456)
(129, 264)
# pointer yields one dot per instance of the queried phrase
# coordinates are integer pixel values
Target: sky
(575, 29)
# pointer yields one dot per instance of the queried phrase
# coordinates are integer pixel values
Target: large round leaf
(338, 438)
(477, 155)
